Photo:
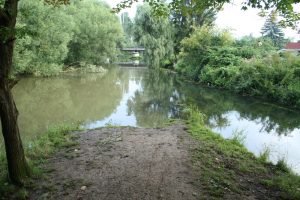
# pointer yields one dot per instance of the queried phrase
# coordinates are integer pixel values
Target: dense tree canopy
(84, 31)
(43, 48)
(97, 32)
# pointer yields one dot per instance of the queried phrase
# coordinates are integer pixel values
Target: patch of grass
(36, 152)
(227, 167)
(265, 155)
(238, 136)
(282, 166)
(288, 183)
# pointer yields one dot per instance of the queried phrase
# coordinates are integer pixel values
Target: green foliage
(239, 136)
(53, 36)
(285, 8)
(249, 47)
(250, 66)
(155, 34)
(128, 27)
(56, 137)
(43, 49)
(274, 77)
(96, 35)
(202, 48)
(282, 166)
(265, 155)
(183, 20)
(288, 183)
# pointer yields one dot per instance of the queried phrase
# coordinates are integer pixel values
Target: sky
(241, 23)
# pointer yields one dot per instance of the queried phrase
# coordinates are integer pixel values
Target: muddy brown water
(144, 98)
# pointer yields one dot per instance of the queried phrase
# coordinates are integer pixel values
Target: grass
(36, 151)
(227, 167)
(265, 155)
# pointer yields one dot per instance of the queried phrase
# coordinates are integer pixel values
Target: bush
(248, 66)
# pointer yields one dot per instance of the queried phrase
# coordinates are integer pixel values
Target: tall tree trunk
(17, 166)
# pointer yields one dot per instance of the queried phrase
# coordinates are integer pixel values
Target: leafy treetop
(283, 7)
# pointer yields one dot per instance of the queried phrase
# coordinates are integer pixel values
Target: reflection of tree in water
(89, 97)
(219, 121)
(73, 97)
(215, 104)
(156, 102)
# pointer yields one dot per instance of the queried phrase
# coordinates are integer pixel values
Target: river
(145, 98)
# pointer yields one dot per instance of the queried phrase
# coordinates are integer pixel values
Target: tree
(155, 34)
(47, 32)
(127, 25)
(96, 35)
(185, 19)
(272, 30)
(17, 166)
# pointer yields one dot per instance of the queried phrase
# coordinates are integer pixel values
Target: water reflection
(157, 102)
(141, 97)
(43, 102)
(216, 103)
(265, 125)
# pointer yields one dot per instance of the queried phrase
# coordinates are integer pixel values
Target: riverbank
(210, 85)
(185, 160)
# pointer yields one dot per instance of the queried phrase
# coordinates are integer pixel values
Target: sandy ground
(123, 163)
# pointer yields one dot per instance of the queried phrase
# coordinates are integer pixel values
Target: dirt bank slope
(123, 163)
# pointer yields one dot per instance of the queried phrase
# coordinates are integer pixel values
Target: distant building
(293, 47)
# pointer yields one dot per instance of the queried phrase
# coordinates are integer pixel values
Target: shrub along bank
(250, 66)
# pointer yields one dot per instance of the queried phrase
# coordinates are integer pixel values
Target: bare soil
(123, 163)
(129, 163)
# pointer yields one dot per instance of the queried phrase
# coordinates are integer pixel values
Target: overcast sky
(240, 22)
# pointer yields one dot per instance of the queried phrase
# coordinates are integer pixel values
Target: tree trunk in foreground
(17, 165)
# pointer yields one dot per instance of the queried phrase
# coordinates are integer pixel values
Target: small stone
(194, 194)
(83, 188)
(76, 150)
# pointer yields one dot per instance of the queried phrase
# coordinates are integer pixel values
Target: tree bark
(17, 165)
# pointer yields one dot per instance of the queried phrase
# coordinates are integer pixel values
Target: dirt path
(123, 163)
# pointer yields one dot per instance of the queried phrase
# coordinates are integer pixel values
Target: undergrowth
(36, 151)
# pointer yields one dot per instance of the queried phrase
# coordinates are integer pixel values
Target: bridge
(133, 49)
(135, 56)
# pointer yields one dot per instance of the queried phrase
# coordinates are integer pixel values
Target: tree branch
(13, 82)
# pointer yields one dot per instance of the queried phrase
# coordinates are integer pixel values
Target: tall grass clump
(264, 154)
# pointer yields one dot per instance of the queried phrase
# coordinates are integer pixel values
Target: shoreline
(223, 168)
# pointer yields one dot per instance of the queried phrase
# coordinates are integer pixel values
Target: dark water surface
(140, 97)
